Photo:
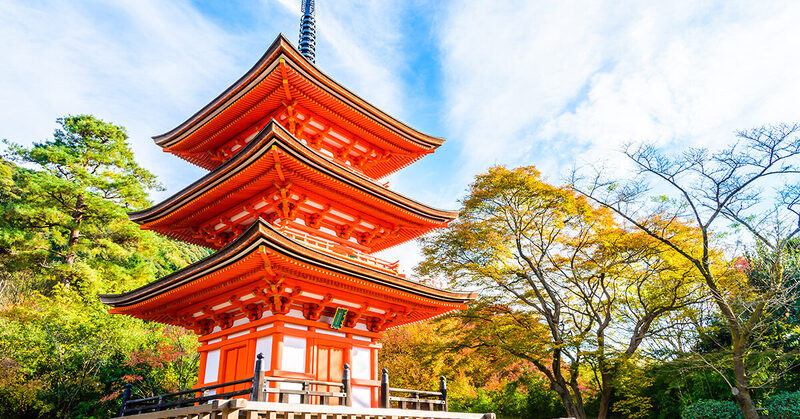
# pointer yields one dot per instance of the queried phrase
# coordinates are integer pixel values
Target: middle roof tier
(279, 178)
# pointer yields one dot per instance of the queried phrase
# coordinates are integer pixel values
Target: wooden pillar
(385, 389)
(258, 380)
(126, 395)
(346, 386)
(443, 390)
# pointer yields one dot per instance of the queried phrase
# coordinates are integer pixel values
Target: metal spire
(307, 30)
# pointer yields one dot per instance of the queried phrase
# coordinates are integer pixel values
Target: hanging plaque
(338, 318)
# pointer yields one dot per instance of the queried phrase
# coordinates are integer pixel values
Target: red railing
(341, 250)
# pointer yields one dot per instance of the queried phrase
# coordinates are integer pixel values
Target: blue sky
(529, 82)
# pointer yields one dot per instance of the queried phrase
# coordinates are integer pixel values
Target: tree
(707, 190)
(565, 287)
(478, 379)
(85, 178)
(64, 237)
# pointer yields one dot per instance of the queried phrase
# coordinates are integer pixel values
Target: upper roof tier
(283, 85)
(277, 177)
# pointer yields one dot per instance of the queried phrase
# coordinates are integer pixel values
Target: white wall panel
(239, 322)
(294, 354)
(264, 346)
(212, 366)
(361, 362)
(361, 396)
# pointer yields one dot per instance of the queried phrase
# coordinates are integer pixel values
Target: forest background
(65, 237)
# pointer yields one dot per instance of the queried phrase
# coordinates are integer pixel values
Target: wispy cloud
(553, 82)
(142, 64)
(548, 83)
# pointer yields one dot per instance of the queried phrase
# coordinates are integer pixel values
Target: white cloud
(523, 82)
(554, 82)
(145, 65)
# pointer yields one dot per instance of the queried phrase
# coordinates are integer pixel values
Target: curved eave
(379, 171)
(275, 135)
(281, 47)
(261, 234)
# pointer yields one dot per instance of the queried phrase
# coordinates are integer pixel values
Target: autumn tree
(564, 286)
(713, 191)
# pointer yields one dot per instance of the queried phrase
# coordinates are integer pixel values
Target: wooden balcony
(342, 250)
(264, 397)
(241, 409)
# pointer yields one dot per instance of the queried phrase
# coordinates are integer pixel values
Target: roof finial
(307, 30)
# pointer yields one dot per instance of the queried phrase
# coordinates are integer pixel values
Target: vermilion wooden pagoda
(292, 206)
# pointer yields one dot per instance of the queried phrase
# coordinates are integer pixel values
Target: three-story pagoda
(293, 207)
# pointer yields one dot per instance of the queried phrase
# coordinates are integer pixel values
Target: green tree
(64, 237)
(83, 180)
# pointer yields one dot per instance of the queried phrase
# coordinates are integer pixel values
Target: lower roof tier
(265, 271)
(279, 178)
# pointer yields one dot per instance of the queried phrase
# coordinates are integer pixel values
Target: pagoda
(294, 209)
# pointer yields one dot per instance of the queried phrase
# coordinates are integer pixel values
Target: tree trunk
(74, 235)
(739, 339)
(573, 410)
(605, 395)
(743, 398)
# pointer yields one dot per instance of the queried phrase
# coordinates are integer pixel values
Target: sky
(544, 83)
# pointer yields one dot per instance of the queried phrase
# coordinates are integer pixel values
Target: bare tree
(712, 190)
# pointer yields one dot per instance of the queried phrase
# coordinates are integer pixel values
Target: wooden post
(385, 389)
(443, 390)
(126, 395)
(346, 387)
(304, 388)
(258, 381)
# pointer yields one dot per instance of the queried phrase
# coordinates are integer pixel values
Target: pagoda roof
(262, 251)
(274, 158)
(283, 76)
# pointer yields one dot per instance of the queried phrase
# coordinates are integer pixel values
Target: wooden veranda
(240, 409)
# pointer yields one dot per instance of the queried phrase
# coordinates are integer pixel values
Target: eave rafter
(283, 204)
(290, 103)
(284, 200)
(353, 152)
(277, 293)
(266, 271)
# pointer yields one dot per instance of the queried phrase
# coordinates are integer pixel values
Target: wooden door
(330, 366)
(234, 367)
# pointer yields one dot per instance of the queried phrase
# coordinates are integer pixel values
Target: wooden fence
(258, 388)
(413, 399)
(246, 409)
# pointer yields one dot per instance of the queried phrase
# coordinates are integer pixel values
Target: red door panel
(330, 364)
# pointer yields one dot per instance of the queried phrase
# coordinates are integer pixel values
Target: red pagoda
(294, 209)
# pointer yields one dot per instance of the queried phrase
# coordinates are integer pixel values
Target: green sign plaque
(338, 318)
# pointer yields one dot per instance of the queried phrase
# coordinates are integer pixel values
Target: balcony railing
(341, 250)
(258, 389)
(413, 399)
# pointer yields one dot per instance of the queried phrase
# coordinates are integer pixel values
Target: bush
(784, 405)
(524, 398)
(712, 409)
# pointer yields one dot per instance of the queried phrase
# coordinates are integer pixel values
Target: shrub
(784, 405)
(712, 409)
